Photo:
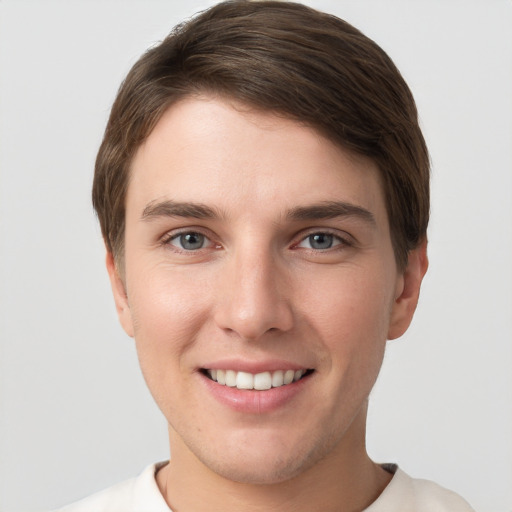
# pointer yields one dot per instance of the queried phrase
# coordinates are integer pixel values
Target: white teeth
(262, 381)
(231, 378)
(244, 380)
(258, 381)
(277, 379)
(288, 376)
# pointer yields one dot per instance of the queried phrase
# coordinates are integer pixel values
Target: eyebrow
(323, 210)
(331, 210)
(169, 208)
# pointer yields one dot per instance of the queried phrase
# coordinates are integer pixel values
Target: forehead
(216, 151)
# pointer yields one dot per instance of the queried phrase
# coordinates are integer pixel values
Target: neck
(344, 481)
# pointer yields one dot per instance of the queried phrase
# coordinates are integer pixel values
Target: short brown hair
(284, 58)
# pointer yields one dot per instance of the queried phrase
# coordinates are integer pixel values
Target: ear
(408, 291)
(120, 296)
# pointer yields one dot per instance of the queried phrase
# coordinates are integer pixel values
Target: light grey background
(75, 414)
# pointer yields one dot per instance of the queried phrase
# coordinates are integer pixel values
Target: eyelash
(338, 242)
(169, 237)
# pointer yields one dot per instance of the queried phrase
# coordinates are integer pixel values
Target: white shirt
(403, 494)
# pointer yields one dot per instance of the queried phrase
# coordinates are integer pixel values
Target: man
(262, 189)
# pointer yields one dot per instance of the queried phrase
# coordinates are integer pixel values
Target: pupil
(321, 241)
(192, 241)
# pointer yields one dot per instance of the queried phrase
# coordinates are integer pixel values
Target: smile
(259, 381)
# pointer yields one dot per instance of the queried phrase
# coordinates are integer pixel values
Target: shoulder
(433, 497)
(138, 494)
(117, 497)
(406, 494)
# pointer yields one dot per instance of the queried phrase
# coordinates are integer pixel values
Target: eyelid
(344, 238)
(165, 240)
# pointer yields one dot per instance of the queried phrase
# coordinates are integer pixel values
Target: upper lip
(254, 367)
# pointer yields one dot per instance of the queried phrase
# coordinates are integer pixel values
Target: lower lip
(255, 402)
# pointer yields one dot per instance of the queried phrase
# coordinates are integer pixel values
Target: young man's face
(256, 250)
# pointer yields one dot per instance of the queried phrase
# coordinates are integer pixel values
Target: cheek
(161, 297)
(352, 313)
(168, 309)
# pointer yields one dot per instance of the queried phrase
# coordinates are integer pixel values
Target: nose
(253, 296)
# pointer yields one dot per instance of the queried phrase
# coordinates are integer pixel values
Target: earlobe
(120, 296)
(408, 292)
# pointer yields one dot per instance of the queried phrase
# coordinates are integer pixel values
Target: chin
(260, 473)
(266, 465)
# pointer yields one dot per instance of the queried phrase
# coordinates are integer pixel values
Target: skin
(258, 289)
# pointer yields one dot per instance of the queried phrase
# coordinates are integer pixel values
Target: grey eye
(321, 240)
(189, 241)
